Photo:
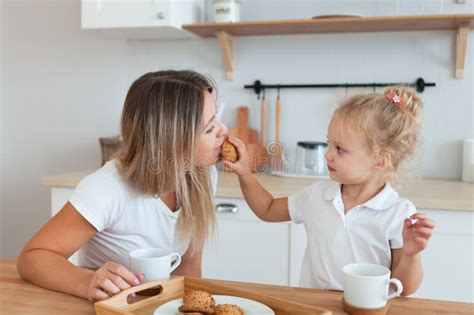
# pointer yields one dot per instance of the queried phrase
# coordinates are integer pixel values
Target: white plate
(249, 306)
(336, 16)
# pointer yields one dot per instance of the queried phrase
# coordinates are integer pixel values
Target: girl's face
(348, 157)
(213, 134)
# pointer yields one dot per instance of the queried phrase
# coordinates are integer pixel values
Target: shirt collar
(333, 190)
(383, 200)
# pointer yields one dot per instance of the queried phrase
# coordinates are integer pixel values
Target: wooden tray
(174, 288)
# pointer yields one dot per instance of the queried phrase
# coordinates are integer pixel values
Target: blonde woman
(358, 216)
(157, 192)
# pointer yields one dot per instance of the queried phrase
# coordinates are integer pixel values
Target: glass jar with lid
(311, 157)
(225, 11)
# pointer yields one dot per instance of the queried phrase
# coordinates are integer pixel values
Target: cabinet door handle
(227, 207)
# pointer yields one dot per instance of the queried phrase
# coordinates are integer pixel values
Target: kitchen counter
(20, 297)
(425, 193)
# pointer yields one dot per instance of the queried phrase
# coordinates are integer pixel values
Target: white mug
(367, 285)
(154, 263)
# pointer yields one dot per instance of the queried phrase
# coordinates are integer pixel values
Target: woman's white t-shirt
(367, 233)
(124, 219)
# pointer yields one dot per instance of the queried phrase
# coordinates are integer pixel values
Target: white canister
(225, 11)
(468, 160)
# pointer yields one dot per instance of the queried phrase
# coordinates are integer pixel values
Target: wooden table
(20, 297)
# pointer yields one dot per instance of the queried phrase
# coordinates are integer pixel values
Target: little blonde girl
(357, 216)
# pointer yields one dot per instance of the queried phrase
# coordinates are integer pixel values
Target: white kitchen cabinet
(247, 249)
(448, 260)
(141, 19)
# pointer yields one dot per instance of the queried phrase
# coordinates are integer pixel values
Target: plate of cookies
(203, 303)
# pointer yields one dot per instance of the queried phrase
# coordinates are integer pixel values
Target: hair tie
(395, 99)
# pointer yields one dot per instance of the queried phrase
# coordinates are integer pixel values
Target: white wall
(63, 88)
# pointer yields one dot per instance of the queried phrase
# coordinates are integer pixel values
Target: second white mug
(367, 285)
(154, 263)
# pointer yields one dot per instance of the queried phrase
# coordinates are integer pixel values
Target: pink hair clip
(394, 98)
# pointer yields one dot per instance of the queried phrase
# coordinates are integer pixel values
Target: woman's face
(213, 134)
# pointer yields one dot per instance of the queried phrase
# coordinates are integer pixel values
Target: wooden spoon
(277, 148)
(262, 154)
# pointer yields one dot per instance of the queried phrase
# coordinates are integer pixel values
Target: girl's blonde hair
(389, 121)
(161, 127)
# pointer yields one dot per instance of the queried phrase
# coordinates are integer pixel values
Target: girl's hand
(109, 280)
(416, 235)
(242, 165)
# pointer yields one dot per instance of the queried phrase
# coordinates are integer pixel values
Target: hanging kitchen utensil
(248, 136)
(262, 153)
(241, 129)
(276, 148)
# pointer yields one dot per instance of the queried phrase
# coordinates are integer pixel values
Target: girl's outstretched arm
(258, 198)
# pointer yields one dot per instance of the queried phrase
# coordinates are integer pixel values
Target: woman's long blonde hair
(161, 128)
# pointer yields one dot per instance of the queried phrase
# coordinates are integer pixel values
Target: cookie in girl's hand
(229, 152)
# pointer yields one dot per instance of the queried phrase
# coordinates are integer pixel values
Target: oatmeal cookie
(229, 152)
(228, 309)
(198, 302)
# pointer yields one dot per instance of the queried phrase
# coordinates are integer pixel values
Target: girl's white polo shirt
(124, 219)
(365, 234)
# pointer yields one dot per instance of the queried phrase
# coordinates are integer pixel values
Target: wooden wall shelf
(460, 23)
